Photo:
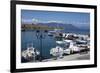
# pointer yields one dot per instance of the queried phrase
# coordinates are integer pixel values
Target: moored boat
(57, 52)
(30, 53)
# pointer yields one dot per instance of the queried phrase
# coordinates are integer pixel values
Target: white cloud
(54, 21)
(30, 20)
(35, 20)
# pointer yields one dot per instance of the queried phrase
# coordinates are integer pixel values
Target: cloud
(35, 20)
(30, 20)
(54, 21)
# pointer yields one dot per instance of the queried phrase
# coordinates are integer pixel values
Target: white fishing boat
(70, 41)
(57, 52)
(67, 51)
(54, 31)
(30, 53)
(72, 46)
(81, 41)
(60, 42)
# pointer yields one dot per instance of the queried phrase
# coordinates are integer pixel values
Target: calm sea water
(29, 37)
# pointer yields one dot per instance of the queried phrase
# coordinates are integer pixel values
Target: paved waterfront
(82, 56)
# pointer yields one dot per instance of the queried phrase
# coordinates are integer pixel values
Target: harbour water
(29, 37)
(48, 42)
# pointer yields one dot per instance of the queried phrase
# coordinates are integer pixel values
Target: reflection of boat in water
(57, 52)
(30, 53)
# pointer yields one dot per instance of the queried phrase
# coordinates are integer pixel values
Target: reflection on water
(28, 37)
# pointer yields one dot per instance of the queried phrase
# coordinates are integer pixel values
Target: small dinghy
(60, 42)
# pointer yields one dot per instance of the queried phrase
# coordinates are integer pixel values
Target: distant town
(38, 27)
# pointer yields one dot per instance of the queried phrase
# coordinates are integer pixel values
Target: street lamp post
(40, 34)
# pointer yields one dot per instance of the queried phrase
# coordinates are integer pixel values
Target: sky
(75, 18)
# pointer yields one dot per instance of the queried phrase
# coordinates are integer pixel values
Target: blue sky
(75, 18)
